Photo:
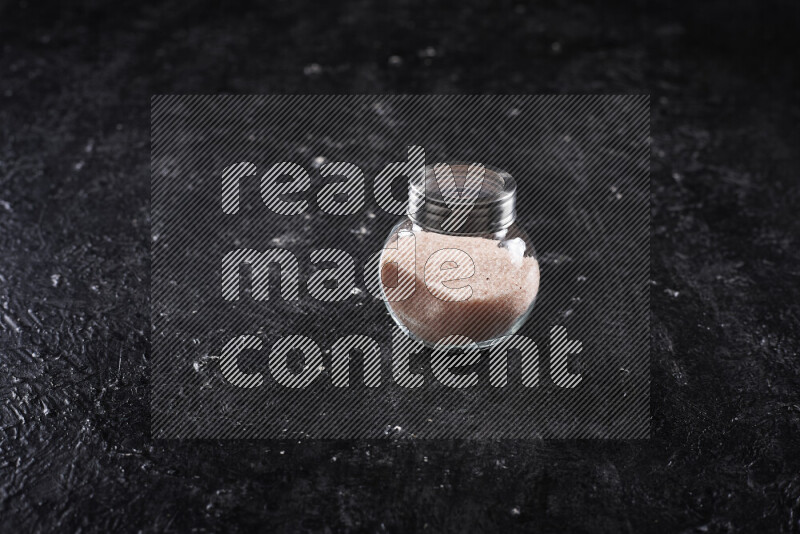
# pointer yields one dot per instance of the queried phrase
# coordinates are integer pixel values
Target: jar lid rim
(490, 209)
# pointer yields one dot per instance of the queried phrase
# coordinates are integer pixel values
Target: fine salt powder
(503, 285)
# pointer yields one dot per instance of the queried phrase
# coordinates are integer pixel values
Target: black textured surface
(74, 91)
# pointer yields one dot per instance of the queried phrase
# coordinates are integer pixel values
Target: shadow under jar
(458, 266)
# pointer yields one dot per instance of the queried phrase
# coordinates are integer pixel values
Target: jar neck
(498, 235)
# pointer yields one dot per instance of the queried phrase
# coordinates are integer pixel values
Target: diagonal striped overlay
(260, 202)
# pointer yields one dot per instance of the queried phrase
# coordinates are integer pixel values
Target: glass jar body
(453, 288)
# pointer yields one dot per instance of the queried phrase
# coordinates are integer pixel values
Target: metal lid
(462, 199)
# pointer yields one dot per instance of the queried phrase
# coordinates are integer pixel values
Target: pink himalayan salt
(504, 285)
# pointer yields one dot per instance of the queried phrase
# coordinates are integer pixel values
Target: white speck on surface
(318, 162)
(428, 52)
(11, 322)
(395, 61)
(312, 69)
(581, 278)
(79, 165)
(555, 258)
(672, 293)
(516, 511)
(355, 291)
(55, 279)
(379, 108)
(6, 205)
(360, 231)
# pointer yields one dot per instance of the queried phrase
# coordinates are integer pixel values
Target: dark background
(75, 83)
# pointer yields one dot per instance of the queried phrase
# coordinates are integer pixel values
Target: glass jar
(458, 264)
